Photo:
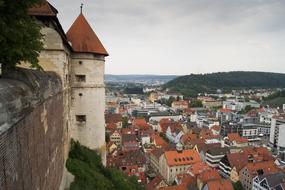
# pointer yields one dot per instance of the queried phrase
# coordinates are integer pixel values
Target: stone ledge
(21, 90)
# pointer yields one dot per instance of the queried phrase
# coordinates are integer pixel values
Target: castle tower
(87, 85)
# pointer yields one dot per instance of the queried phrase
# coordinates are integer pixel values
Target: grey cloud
(185, 36)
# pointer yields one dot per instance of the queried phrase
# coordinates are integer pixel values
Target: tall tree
(20, 37)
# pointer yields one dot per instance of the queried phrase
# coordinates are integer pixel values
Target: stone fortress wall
(31, 130)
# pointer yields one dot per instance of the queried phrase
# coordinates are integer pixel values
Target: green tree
(196, 103)
(170, 100)
(237, 186)
(85, 164)
(247, 108)
(125, 122)
(20, 37)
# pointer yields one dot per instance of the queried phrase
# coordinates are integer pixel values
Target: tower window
(80, 94)
(80, 78)
(81, 118)
(80, 62)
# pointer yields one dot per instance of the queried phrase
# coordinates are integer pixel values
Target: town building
(180, 105)
(235, 140)
(252, 170)
(177, 161)
(214, 156)
(154, 156)
(231, 164)
(275, 181)
(221, 184)
(129, 142)
(116, 137)
(277, 135)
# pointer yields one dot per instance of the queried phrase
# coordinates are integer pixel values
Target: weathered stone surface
(31, 131)
(23, 89)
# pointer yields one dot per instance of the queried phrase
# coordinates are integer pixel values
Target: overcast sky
(185, 36)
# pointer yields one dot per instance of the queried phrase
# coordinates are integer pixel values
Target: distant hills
(191, 85)
(142, 79)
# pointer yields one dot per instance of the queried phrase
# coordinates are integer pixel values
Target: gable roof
(186, 157)
(113, 118)
(83, 39)
(198, 168)
(236, 137)
(222, 184)
(266, 167)
(154, 183)
(209, 175)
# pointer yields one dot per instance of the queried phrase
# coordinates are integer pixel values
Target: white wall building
(277, 135)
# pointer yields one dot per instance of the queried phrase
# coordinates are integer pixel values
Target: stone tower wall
(88, 98)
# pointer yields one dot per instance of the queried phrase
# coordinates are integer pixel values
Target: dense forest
(90, 174)
(191, 85)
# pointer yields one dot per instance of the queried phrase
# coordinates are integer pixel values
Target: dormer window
(80, 78)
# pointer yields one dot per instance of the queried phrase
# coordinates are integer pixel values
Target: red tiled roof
(159, 141)
(222, 184)
(113, 118)
(236, 137)
(187, 137)
(139, 122)
(240, 159)
(224, 110)
(154, 183)
(267, 167)
(209, 175)
(43, 9)
(186, 157)
(180, 103)
(111, 126)
(83, 39)
(216, 128)
(174, 126)
(198, 168)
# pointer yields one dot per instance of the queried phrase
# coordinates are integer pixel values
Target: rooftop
(83, 39)
(186, 157)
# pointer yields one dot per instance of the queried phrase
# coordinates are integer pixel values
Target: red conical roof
(83, 38)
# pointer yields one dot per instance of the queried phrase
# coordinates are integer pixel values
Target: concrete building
(214, 156)
(277, 135)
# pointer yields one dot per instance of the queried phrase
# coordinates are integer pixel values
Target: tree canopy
(193, 84)
(90, 174)
(20, 37)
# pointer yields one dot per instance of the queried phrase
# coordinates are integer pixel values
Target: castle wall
(31, 131)
(88, 98)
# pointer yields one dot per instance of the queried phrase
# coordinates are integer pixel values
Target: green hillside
(191, 85)
(275, 100)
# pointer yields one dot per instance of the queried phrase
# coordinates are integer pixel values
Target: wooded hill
(191, 85)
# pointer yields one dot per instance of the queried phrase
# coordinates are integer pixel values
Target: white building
(277, 135)
(234, 104)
